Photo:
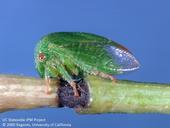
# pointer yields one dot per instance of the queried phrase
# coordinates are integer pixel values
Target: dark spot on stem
(67, 98)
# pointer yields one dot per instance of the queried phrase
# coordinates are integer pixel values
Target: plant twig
(18, 92)
(127, 97)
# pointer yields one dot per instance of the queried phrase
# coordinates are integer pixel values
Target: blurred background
(142, 26)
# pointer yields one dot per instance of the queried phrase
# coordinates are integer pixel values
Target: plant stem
(18, 92)
(126, 97)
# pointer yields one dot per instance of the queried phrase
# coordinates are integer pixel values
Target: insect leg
(71, 68)
(108, 76)
(50, 71)
(48, 87)
(64, 73)
(112, 78)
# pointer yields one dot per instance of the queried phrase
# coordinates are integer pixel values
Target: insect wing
(123, 58)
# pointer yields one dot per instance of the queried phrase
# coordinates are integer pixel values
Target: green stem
(126, 97)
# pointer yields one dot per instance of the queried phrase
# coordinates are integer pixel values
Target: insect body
(65, 54)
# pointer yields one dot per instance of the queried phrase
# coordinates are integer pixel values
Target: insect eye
(41, 56)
